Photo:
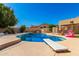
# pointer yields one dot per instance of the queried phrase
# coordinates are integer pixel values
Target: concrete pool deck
(38, 48)
(8, 40)
(71, 43)
(28, 49)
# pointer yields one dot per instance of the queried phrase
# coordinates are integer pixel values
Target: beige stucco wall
(67, 21)
(44, 30)
(64, 22)
(54, 29)
(76, 20)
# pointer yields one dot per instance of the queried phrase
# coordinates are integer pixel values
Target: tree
(51, 26)
(23, 28)
(7, 17)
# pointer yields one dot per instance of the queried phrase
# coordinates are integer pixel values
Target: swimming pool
(38, 37)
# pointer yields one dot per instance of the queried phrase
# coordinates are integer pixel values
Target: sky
(39, 13)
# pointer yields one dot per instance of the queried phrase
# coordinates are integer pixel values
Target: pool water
(38, 37)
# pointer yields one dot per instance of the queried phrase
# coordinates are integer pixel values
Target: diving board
(56, 47)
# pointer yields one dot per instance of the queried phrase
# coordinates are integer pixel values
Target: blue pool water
(38, 37)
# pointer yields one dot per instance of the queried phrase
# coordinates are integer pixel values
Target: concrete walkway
(38, 48)
(28, 49)
(71, 43)
(8, 38)
(25, 48)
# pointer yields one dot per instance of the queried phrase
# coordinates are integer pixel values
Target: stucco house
(42, 28)
(67, 24)
(34, 28)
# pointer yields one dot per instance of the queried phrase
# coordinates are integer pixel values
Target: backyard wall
(2, 29)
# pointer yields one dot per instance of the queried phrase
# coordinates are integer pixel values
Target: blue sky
(38, 13)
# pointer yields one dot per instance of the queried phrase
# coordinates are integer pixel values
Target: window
(44, 26)
(41, 27)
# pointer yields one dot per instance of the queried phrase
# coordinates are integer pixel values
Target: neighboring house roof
(44, 25)
(34, 28)
(68, 21)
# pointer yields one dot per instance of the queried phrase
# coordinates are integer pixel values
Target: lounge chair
(56, 47)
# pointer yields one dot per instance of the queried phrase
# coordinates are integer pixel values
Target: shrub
(23, 28)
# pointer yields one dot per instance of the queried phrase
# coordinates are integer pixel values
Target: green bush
(23, 28)
(51, 26)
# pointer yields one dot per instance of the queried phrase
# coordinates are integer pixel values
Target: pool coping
(7, 40)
